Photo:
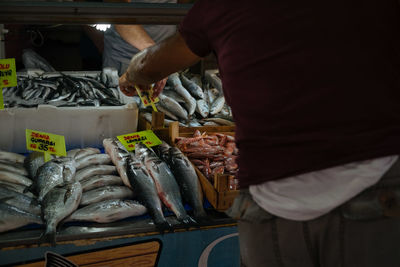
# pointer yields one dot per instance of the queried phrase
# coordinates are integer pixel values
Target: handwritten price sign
(8, 76)
(146, 137)
(45, 142)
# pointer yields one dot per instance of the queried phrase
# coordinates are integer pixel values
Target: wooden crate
(218, 194)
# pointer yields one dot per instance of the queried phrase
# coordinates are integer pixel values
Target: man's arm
(135, 35)
(157, 62)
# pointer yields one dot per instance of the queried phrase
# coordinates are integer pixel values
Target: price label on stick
(146, 137)
(8, 76)
(147, 97)
(45, 142)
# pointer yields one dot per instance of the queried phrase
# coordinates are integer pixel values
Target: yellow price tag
(146, 137)
(8, 76)
(147, 97)
(45, 142)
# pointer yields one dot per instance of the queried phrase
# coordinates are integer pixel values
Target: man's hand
(126, 86)
(158, 87)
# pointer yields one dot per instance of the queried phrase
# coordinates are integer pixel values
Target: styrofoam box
(81, 126)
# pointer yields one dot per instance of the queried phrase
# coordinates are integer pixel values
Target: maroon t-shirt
(312, 84)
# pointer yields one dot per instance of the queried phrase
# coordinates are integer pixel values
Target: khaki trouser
(363, 232)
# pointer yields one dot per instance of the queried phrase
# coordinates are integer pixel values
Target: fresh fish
(82, 152)
(108, 211)
(106, 193)
(173, 106)
(12, 217)
(94, 170)
(11, 157)
(34, 161)
(96, 159)
(12, 177)
(212, 94)
(210, 123)
(167, 112)
(13, 167)
(100, 181)
(17, 188)
(217, 105)
(167, 188)
(174, 95)
(186, 177)
(192, 87)
(197, 80)
(20, 200)
(202, 108)
(220, 121)
(56, 172)
(145, 191)
(58, 204)
(118, 156)
(175, 82)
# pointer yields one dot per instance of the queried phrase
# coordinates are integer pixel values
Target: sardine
(175, 82)
(192, 87)
(20, 200)
(167, 188)
(106, 193)
(11, 157)
(167, 112)
(100, 181)
(96, 159)
(12, 177)
(145, 190)
(55, 172)
(217, 105)
(118, 156)
(82, 152)
(12, 217)
(173, 106)
(220, 121)
(202, 108)
(94, 170)
(108, 211)
(174, 95)
(58, 204)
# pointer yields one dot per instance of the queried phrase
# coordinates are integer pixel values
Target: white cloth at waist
(310, 195)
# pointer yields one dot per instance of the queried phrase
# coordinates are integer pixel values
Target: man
(314, 89)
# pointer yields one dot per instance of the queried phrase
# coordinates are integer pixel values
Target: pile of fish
(84, 186)
(64, 90)
(159, 179)
(191, 102)
(213, 153)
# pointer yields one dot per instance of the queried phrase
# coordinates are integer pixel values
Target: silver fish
(192, 87)
(220, 121)
(217, 105)
(11, 157)
(108, 211)
(12, 177)
(145, 190)
(188, 181)
(55, 172)
(166, 112)
(12, 217)
(16, 187)
(13, 167)
(106, 193)
(94, 170)
(174, 95)
(58, 204)
(175, 82)
(202, 108)
(197, 80)
(167, 188)
(118, 156)
(82, 152)
(20, 200)
(34, 161)
(100, 181)
(96, 159)
(173, 107)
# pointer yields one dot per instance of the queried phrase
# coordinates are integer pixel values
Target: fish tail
(48, 237)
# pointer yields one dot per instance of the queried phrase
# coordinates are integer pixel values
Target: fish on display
(166, 185)
(108, 211)
(186, 177)
(94, 170)
(13, 167)
(34, 161)
(100, 181)
(145, 191)
(58, 204)
(106, 193)
(96, 159)
(217, 105)
(12, 177)
(173, 106)
(17, 188)
(192, 87)
(20, 200)
(12, 217)
(176, 84)
(55, 172)
(11, 157)
(79, 153)
(118, 156)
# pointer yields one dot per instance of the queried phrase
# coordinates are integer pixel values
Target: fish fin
(48, 237)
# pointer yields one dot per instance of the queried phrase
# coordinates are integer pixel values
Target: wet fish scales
(105, 193)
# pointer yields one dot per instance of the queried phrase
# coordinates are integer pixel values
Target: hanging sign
(146, 137)
(45, 142)
(8, 76)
